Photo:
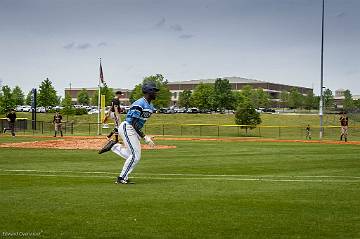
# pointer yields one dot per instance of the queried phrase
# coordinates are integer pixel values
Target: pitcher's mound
(71, 143)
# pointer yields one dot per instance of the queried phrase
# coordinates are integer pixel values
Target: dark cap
(119, 92)
(149, 88)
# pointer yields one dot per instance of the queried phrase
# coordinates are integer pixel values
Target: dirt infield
(72, 143)
(96, 142)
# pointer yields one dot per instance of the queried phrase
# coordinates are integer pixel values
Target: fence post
(89, 129)
(218, 130)
(279, 132)
(200, 130)
(72, 127)
(42, 127)
(259, 131)
(238, 129)
(163, 129)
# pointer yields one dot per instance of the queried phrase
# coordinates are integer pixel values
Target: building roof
(93, 88)
(232, 79)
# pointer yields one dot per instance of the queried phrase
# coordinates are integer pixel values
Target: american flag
(101, 74)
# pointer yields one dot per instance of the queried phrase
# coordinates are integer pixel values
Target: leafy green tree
(68, 106)
(357, 103)
(284, 98)
(83, 97)
(310, 101)
(260, 98)
(203, 96)
(223, 96)
(28, 98)
(47, 94)
(6, 101)
(18, 96)
(328, 99)
(246, 115)
(185, 99)
(348, 103)
(105, 90)
(295, 99)
(163, 96)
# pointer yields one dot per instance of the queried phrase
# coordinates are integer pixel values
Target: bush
(81, 111)
(247, 115)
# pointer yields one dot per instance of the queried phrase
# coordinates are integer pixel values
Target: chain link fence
(28, 127)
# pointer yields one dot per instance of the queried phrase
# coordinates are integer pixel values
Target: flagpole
(99, 97)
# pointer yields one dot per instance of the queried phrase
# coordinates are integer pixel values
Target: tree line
(211, 97)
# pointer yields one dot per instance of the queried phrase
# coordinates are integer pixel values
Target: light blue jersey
(140, 110)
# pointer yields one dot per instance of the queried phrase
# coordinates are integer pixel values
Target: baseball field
(197, 189)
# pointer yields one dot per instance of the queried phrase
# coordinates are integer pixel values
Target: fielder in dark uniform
(114, 113)
(308, 132)
(344, 122)
(57, 123)
(11, 117)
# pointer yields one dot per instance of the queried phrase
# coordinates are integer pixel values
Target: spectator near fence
(11, 118)
(57, 123)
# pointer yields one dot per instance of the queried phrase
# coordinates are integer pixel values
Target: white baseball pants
(130, 151)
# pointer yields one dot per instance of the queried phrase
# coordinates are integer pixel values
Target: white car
(41, 109)
(19, 108)
(26, 108)
(93, 111)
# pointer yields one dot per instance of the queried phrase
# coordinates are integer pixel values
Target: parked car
(193, 110)
(162, 110)
(93, 111)
(26, 108)
(268, 110)
(41, 109)
(180, 110)
(19, 108)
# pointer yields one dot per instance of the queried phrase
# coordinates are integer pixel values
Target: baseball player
(57, 124)
(344, 122)
(11, 118)
(308, 132)
(131, 132)
(114, 113)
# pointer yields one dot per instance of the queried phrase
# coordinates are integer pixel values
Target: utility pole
(321, 106)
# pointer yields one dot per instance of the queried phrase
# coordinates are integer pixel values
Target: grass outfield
(267, 119)
(198, 190)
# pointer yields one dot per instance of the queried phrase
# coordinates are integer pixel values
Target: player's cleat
(345, 139)
(120, 180)
(107, 146)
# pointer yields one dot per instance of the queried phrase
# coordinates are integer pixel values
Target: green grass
(284, 126)
(267, 119)
(198, 190)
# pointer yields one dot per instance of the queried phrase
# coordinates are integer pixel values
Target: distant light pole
(321, 106)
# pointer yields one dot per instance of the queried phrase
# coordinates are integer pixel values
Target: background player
(344, 123)
(131, 132)
(114, 113)
(11, 118)
(57, 124)
(308, 132)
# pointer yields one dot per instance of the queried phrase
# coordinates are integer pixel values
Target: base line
(186, 174)
(189, 178)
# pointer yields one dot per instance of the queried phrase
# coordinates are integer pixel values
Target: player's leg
(132, 142)
(342, 133)
(12, 127)
(120, 149)
(345, 133)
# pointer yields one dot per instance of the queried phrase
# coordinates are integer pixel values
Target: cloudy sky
(270, 40)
